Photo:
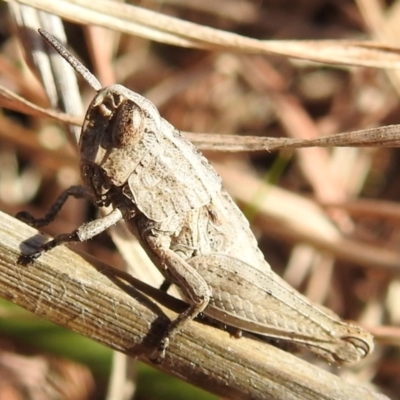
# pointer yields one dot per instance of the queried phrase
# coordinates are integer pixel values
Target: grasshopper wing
(262, 303)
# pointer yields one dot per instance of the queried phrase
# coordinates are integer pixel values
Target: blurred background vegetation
(332, 228)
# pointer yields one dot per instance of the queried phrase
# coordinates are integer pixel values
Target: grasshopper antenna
(75, 63)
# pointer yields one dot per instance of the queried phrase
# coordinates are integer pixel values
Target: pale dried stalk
(87, 298)
(383, 136)
(156, 26)
(379, 22)
(11, 100)
(59, 81)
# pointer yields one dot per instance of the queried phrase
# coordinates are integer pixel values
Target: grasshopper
(172, 200)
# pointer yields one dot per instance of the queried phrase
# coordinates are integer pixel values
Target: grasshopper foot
(60, 239)
(26, 259)
(158, 355)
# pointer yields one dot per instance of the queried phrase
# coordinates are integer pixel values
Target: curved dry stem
(92, 299)
(162, 28)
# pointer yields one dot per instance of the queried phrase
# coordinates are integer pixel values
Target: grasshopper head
(119, 129)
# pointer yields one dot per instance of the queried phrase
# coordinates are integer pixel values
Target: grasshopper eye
(127, 124)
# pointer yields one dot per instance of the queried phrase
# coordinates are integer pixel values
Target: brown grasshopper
(172, 200)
